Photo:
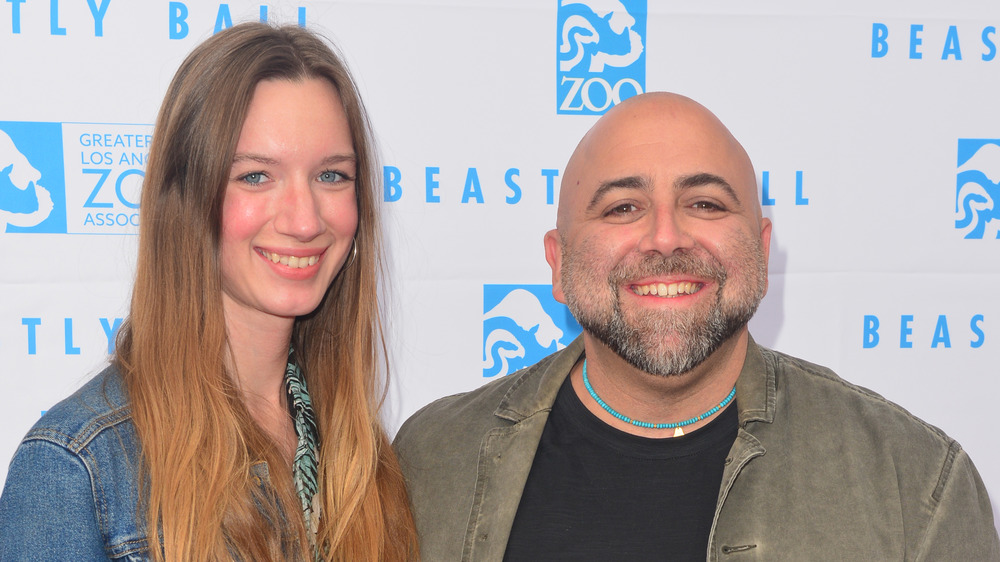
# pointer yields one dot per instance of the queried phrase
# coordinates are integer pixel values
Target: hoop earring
(354, 253)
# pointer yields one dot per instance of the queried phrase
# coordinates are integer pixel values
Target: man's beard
(665, 342)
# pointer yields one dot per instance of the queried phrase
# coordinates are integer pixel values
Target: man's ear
(553, 255)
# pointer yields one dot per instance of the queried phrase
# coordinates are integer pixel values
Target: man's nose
(665, 232)
(298, 212)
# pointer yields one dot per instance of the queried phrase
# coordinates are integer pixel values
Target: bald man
(664, 432)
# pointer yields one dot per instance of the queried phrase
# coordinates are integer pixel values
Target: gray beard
(698, 338)
(639, 342)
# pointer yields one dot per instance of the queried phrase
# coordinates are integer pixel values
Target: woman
(239, 417)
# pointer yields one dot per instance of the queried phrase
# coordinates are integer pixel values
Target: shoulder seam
(949, 462)
(78, 440)
(829, 375)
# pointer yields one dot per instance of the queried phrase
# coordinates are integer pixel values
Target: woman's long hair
(201, 451)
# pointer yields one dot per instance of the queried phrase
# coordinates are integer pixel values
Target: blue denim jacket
(71, 491)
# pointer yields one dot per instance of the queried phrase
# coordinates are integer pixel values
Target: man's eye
(623, 209)
(707, 206)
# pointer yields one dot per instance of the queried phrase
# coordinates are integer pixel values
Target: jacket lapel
(508, 450)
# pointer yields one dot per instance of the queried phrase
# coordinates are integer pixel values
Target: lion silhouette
(17, 174)
(978, 193)
(578, 31)
(524, 309)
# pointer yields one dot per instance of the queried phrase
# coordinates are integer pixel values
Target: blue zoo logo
(71, 178)
(522, 324)
(601, 54)
(32, 182)
(977, 214)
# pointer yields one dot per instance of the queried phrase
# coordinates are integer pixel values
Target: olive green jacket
(820, 470)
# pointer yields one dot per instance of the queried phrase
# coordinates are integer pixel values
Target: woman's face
(290, 211)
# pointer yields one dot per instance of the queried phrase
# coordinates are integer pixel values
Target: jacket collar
(536, 387)
(755, 389)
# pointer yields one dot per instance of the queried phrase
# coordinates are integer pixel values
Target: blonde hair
(199, 443)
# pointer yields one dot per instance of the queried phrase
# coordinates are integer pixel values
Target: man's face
(660, 252)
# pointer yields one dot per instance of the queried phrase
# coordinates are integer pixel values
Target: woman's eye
(254, 178)
(331, 176)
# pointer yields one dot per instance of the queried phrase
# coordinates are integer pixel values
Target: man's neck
(654, 398)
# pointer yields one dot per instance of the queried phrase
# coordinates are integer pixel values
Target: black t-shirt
(597, 493)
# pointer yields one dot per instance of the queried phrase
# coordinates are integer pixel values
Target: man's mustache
(676, 264)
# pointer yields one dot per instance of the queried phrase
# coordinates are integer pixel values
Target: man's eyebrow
(704, 178)
(630, 182)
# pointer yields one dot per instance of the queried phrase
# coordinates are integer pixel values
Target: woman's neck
(258, 356)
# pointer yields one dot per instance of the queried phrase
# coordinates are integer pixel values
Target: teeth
(667, 291)
(297, 262)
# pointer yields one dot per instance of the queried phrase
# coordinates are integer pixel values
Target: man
(664, 432)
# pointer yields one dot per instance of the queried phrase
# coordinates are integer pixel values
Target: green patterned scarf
(305, 465)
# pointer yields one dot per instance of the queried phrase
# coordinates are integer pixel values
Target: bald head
(639, 136)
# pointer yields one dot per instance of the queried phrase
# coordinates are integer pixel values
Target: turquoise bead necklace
(676, 425)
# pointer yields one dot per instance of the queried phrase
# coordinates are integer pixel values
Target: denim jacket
(820, 470)
(71, 490)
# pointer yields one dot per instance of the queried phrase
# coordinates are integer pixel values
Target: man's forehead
(649, 137)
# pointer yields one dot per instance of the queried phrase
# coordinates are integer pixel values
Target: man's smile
(665, 290)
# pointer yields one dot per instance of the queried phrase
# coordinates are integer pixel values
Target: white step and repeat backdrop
(873, 126)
